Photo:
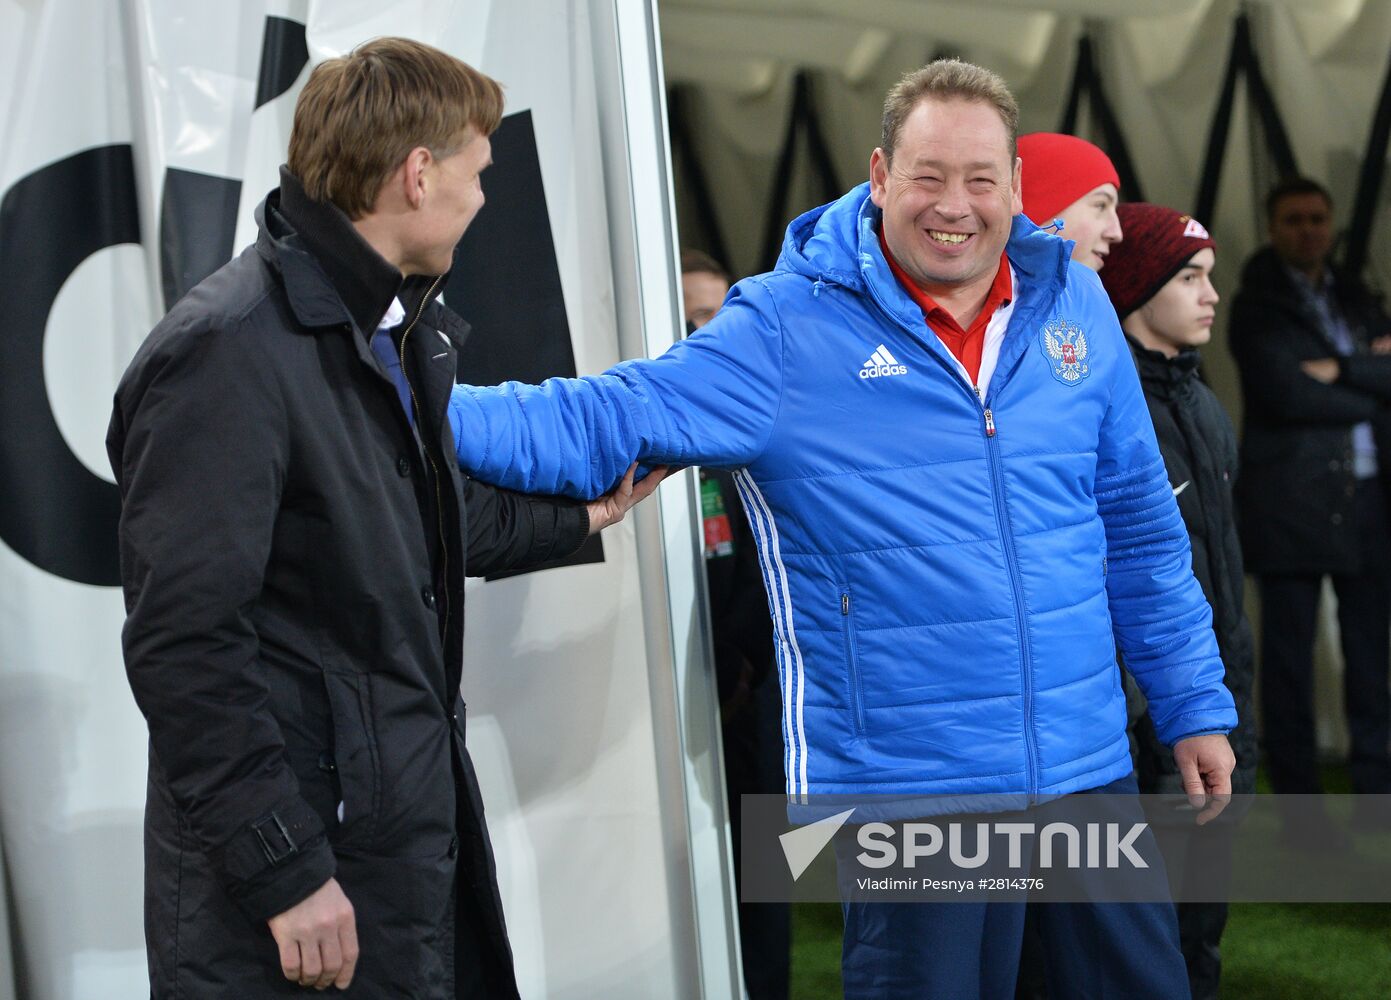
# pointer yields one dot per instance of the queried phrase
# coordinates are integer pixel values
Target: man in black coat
(1310, 343)
(294, 541)
(1159, 280)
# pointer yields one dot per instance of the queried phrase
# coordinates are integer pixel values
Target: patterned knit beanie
(1057, 170)
(1158, 241)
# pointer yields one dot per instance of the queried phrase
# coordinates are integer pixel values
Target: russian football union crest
(1068, 354)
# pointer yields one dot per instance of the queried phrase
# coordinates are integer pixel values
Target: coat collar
(332, 275)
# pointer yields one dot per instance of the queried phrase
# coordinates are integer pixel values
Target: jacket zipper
(851, 665)
(439, 506)
(992, 449)
(1026, 671)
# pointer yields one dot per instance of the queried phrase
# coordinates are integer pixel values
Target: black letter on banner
(54, 511)
(506, 283)
(198, 213)
(284, 51)
(197, 223)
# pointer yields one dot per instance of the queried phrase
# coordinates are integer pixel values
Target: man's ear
(1016, 187)
(878, 175)
(413, 178)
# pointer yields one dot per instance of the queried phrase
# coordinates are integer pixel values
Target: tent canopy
(775, 104)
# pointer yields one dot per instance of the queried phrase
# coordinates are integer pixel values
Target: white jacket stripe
(800, 761)
(756, 520)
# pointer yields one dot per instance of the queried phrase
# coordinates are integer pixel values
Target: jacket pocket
(852, 667)
(354, 757)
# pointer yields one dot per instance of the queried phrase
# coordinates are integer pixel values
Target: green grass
(1270, 951)
(816, 951)
(1307, 951)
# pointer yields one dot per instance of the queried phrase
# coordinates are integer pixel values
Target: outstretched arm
(710, 400)
(511, 531)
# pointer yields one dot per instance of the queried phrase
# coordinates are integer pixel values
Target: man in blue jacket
(960, 510)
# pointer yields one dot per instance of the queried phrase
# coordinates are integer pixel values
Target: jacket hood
(838, 243)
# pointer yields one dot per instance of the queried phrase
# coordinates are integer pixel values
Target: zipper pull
(845, 604)
(989, 424)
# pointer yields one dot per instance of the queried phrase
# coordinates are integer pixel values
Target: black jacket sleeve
(1272, 379)
(1369, 373)
(741, 624)
(199, 444)
(511, 531)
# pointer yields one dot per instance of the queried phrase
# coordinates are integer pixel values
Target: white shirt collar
(394, 314)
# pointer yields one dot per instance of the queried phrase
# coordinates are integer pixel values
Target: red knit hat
(1059, 169)
(1158, 241)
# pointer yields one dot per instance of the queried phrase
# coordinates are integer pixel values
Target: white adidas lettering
(882, 364)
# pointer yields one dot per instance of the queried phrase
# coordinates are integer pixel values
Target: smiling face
(1180, 314)
(1091, 221)
(948, 193)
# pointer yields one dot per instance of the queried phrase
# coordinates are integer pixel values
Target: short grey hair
(946, 79)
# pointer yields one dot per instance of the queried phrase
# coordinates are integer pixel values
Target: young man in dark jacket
(1310, 343)
(1159, 280)
(294, 541)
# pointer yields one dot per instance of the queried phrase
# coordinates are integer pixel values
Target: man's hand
(1382, 344)
(1323, 370)
(1205, 763)
(318, 939)
(610, 508)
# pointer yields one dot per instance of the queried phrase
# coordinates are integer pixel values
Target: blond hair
(947, 79)
(360, 114)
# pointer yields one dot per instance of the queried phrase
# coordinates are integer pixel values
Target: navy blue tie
(385, 350)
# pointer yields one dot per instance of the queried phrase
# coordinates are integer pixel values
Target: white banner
(136, 140)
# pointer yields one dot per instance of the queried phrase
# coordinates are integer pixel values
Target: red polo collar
(965, 345)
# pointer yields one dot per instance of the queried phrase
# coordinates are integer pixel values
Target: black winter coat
(1295, 494)
(741, 624)
(1199, 448)
(293, 558)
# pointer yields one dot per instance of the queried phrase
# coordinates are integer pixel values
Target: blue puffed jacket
(948, 575)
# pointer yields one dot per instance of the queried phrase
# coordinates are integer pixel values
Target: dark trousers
(753, 765)
(1289, 613)
(971, 951)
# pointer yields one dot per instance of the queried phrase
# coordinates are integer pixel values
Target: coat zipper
(439, 506)
(1026, 672)
(851, 665)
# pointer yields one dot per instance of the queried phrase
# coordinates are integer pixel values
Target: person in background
(1310, 344)
(1071, 185)
(704, 284)
(1160, 281)
(1068, 181)
(750, 704)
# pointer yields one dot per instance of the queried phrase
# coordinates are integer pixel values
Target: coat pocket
(852, 667)
(354, 757)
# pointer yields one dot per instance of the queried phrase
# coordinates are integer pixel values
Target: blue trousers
(970, 950)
